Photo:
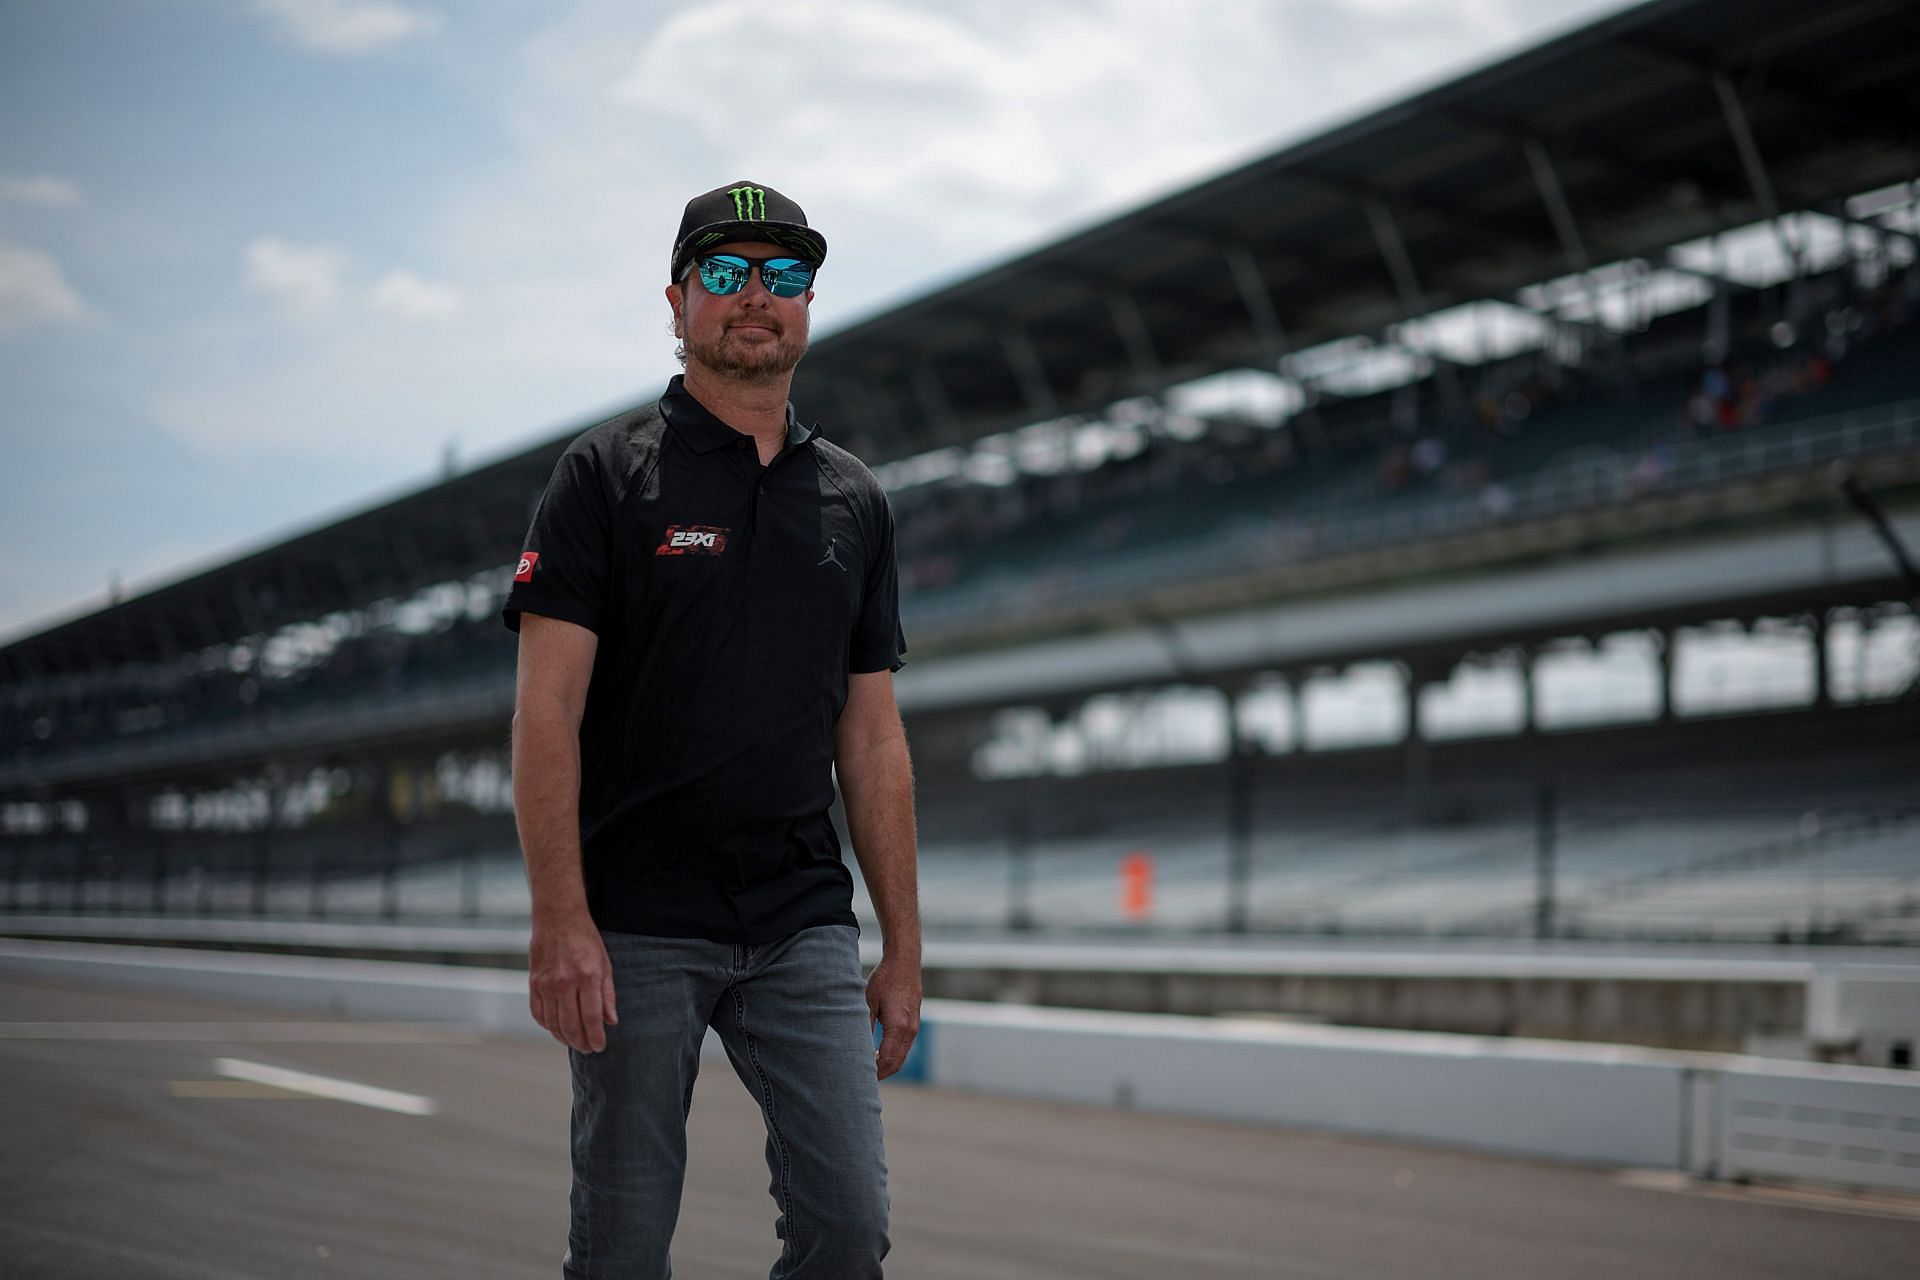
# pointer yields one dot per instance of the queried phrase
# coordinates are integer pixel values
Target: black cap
(744, 211)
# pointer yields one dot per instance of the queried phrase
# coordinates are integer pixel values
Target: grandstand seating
(1661, 879)
(1757, 879)
(1709, 838)
(1552, 439)
(1697, 832)
(1703, 839)
(1158, 517)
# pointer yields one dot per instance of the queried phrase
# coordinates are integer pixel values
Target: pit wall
(1707, 1114)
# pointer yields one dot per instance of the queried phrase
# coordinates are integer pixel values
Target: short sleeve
(563, 566)
(878, 641)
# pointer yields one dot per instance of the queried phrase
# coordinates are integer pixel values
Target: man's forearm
(546, 809)
(569, 977)
(877, 786)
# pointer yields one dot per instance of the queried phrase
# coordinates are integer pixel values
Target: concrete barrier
(1855, 1126)
(1598, 1103)
(1711, 1114)
(1857, 1004)
(488, 999)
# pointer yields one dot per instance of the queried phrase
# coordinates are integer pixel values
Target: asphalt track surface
(129, 1148)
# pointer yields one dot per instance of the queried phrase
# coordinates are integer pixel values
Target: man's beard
(741, 361)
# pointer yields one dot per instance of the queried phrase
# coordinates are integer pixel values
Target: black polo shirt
(731, 601)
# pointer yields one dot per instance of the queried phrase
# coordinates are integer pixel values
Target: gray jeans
(793, 1017)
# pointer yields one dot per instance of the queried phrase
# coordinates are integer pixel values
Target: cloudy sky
(264, 262)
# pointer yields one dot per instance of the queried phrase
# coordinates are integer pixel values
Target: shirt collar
(704, 432)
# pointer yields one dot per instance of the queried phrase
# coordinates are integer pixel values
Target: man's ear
(675, 297)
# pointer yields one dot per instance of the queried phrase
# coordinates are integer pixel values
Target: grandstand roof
(1615, 141)
(1669, 121)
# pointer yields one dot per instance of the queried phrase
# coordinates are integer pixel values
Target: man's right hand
(570, 982)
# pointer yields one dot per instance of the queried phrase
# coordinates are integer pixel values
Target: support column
(157, 891)
(1822, 677)
(1138, 341)
(1031, 376)
(875, 405)
(1257, 299)
(1243, 761)
(1020, 858)
(1546, 824)
(482, 547)
(125, 840)
(261, 853)
(1669, 638)
(1413, 299)
(167, 638)
(246, 605)
(275, 781)
(415, 563)
(1717, 341)
(1419, 751)
(13, 852)
(317, 866)
(471, 871)
(1297, 694)
(1763, 191)
(1261, 316)
(79, 851)
(1546, 181)
(388, 824)
(1529, 691)
(927, 389)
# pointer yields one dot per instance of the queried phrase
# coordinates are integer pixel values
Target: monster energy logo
(749, 203)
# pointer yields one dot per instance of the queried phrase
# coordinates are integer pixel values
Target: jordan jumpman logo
(831, 558)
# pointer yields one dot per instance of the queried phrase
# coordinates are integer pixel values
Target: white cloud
(964, 132)
(411, 296)
(925, 142)
(347, 26)
(924, 115)
(34, 291)
(303, 278)
(306, 280)
(40, 189)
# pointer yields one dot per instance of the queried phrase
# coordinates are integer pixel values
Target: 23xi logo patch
(693, 540)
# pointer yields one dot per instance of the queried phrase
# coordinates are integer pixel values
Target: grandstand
(1558, 356)
(1670, 836)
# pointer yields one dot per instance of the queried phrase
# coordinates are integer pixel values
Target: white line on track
(365, 1095)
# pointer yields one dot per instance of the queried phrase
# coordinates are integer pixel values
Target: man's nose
(755, 286)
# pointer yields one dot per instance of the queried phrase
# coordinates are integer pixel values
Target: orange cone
(1136, 885)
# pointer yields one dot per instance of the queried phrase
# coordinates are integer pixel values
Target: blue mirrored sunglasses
(725, 273)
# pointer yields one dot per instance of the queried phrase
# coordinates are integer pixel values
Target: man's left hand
(893, 998)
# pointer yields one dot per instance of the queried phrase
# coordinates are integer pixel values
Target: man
(709, 625)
